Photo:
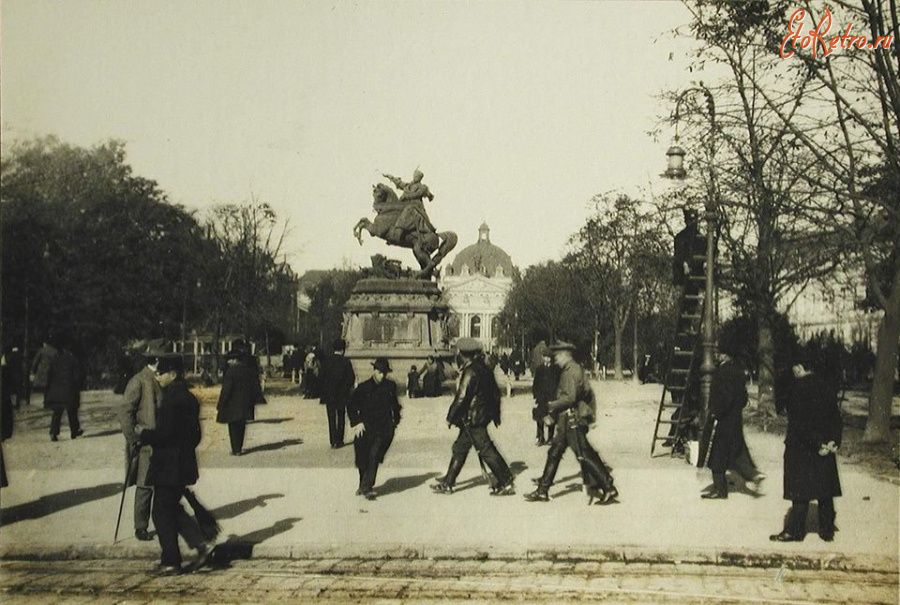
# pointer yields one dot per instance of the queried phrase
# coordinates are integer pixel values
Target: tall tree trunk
(766, 352)
(878, 426)
(634, 353)
(619, 332)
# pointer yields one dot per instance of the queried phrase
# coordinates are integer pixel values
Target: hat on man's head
(468, 345)
(381, 364)
(339, 345)
(170, 363)
(156, 348)
(690, 214)
(544, 350)
(561, 345)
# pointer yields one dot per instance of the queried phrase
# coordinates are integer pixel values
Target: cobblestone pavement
(411, 580)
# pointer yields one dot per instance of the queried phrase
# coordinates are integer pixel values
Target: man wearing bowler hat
(574, 409)
(374, 414)
(475, 405)
(336, 385)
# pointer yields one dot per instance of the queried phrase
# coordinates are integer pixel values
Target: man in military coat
(335, 386)
(574, 408)
(475, 405)
(813, 437)
(137, 412)
(374, 415)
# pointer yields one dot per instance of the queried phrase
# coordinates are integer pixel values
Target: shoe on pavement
(143, 535)
(167, 570)
(538, 495)
(204, 552)
(609, 497)
(78, 433)
(714, 496)
(785, 537)
(442, 488)
(370, 495)
(826, 537)
(54, 438)
(507, 489)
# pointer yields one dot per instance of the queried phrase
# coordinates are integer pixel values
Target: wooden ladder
(684, 362)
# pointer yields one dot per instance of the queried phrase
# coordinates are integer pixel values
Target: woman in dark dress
(813, 437)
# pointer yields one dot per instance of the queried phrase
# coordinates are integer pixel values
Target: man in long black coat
(173, 466)
(813, 436)
(374, 412)
(241, 391)
(727, 399)
(475, 405)
(688, 244)
(336, 385)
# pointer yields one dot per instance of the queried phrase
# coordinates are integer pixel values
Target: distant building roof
(483, 257)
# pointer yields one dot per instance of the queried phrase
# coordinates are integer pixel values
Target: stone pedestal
(401, 319)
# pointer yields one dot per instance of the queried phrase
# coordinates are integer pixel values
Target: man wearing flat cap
(374, 415)
(336, 385)
(574, 407)
(475, 405)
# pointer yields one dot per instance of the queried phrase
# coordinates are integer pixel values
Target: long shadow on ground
(53, 503)
(395, 485)
(241, 547)
(236, 509)
(270, 447)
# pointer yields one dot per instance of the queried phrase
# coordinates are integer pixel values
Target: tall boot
(544, 483)
(445, 484)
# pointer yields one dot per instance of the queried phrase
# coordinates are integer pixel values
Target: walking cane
(131, 462)
(703, 460)
(484, 472)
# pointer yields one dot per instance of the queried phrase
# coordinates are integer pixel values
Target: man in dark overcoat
(240, 392)
(65, 379)
(475, 405)
(727, 399)
(173, 466)
(374, 412)
(137, 412)
(813, 437)
(336, 385)
(574, 409)
(543, 388)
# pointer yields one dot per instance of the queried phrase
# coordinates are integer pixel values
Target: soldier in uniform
(574, 408)
(336, 385)
(475, 405)
(374, 415)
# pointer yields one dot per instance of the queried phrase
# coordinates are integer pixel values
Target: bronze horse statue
(405, 224)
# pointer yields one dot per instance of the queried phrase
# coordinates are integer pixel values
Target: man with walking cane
(575, 408)
(475, 405)
(140, 401)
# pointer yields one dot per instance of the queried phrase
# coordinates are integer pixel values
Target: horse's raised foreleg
(363, 223)
(448, 243)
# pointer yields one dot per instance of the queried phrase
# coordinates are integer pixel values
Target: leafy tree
(326, 307)
(837, 116)
(90, 248)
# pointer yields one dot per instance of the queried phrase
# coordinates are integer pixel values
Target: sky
(518, 113)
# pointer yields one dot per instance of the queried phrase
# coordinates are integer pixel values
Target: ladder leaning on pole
(684, 362)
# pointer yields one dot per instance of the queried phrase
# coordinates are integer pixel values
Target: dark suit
(336, 385)
(727, 399)
(546, 379)
(63, 392)
(240, 392)
(814, 418)
(688, 243)
(173, 466)
(375, 405)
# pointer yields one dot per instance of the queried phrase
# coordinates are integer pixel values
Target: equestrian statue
(402, 221)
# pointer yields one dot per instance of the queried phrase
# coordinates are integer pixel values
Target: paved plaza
(291, 499)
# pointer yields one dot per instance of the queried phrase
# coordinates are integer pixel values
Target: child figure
(413, 389)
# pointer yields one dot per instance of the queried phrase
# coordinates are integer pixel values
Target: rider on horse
(414, 209)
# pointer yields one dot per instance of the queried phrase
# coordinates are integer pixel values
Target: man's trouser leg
(236, 432)
(74, 424)
(335, 414)
(744, 466)
(720, 483)
(56, 420)
(594, 473)
(826, 517)
(369, 469)
(491, 456)
(166, 509)
(558, 446)
(460, 451)
(795, 523)
(143, 496)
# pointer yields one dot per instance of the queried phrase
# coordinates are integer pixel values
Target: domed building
(475, 285)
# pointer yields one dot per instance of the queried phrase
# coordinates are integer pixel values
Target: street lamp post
(675, 170)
